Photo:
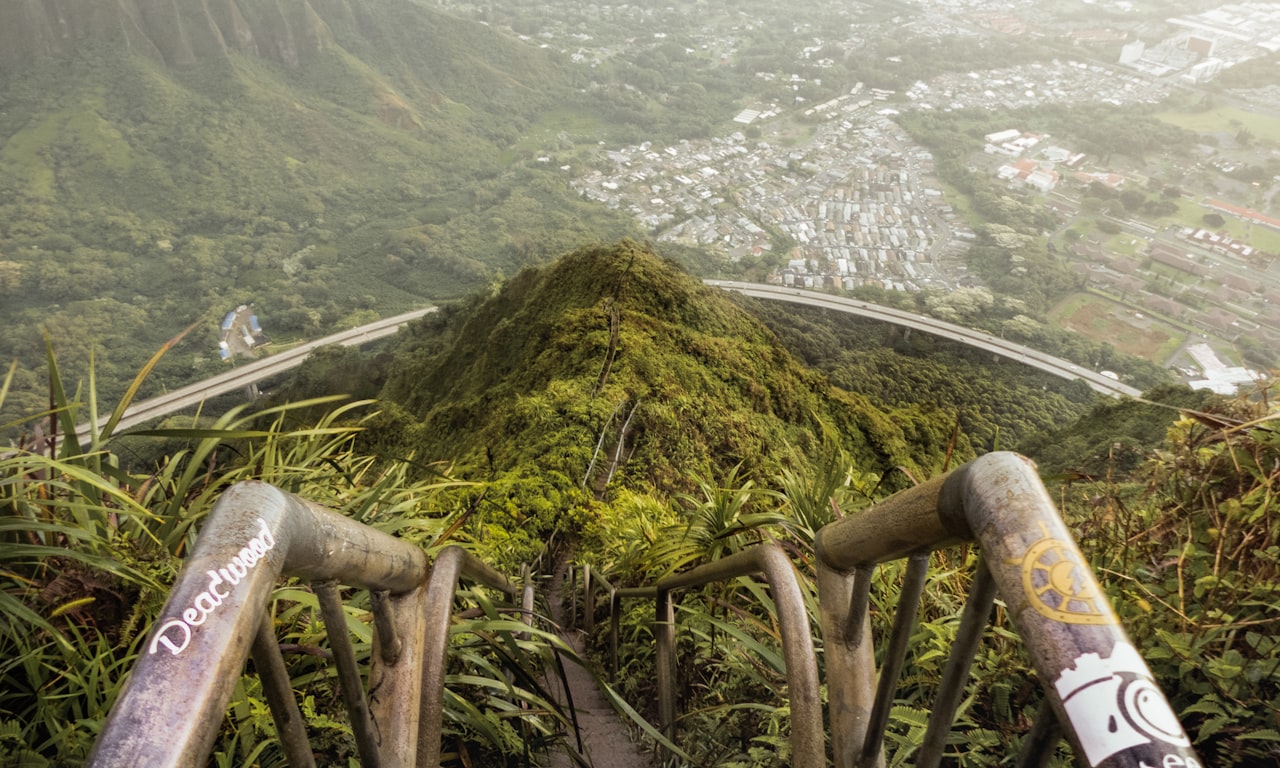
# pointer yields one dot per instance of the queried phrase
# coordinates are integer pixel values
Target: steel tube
(664, 634)
(977, 609)
(1041, 741)
(850, 660)
(1097, 684)
(808, 747)
(395, 685)
(588, 601)
(1100, 688)
(280, 698)
(903, 621)
(919, 519)
(253, 535)
(572, 623)
(384, 625)
(450, 565)
(742, 563)
(615, 621)
(860, 599)
(349, 683)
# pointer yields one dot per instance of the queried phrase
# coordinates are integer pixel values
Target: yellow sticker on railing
(1060, 586)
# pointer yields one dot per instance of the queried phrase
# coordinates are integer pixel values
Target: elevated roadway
(245, 375)
(978, 339)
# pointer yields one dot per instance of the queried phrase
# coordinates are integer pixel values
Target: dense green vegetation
(613, 405)
(615, 370)
(394, 167)
(995, 403)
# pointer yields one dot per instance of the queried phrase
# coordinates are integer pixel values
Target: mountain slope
(612, 352)
(163, 161)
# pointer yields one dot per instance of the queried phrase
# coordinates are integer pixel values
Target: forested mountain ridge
(182, 33)
(612, 400)
(614, 369)
(141, 191)
(175, 32)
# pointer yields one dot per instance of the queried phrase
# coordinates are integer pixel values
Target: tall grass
(88, 548)
(1188, 547)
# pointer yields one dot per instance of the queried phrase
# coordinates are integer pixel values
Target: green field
(1127, 244)
(1225, 119)
(1103, 320)
(1191, 214)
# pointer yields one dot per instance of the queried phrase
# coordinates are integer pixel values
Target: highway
(978, 339)
(272, 365)
(238, 378)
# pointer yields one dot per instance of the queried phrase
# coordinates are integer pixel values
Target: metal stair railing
(1099, 693)
(171, 708)
(592, 581)
(768, 560)
(1098, 688)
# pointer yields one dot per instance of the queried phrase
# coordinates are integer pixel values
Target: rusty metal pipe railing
(899, 640)
(279, 695)
(1097, 684)
(593, 582)
(451, 565)
(349, 685)
(977, 609)
(254, 535)
(808, 748)
(172, 707)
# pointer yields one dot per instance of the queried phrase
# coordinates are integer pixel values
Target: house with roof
(1031, 173)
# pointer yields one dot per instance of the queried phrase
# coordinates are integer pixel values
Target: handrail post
(349, 684)
(664, 633)
(807, 742)
(450, 565)
(588, 601)
(395, 684)
(615, 621)
(973, 622)
(797, 643)
(572, 623)
(269, 662)
(850, 659)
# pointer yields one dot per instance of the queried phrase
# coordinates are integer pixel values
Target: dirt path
(605, 739)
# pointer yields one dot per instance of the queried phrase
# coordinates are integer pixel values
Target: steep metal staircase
(1099, 693)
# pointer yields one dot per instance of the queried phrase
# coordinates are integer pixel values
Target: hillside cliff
(178, 32)
(160, 159)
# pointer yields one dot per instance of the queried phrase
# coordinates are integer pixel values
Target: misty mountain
(161, 162)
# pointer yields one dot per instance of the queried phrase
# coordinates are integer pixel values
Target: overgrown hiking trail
(606, 741)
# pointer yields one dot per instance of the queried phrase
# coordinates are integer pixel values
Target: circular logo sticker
(1060, 587)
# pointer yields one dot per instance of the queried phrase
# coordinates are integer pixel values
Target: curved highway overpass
(238, 378)
(979, 339)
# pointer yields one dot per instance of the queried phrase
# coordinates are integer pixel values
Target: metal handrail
(1097, 685)
(451, 565)
(807, 741)
(171, 708)
(592, 582)
(1099, 693)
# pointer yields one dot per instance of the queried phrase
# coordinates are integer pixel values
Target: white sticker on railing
(1114, 704)
(175, 634)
